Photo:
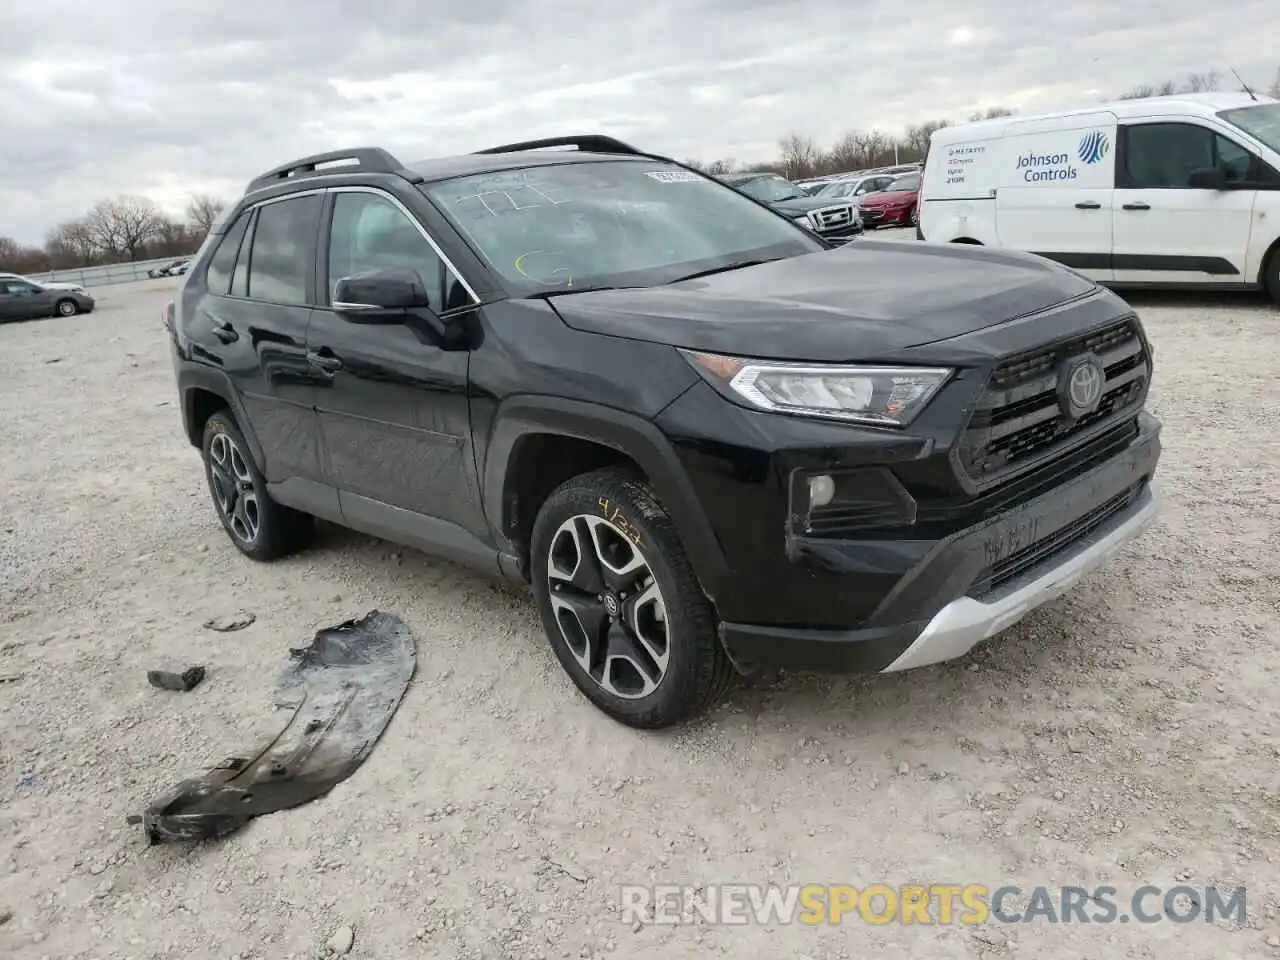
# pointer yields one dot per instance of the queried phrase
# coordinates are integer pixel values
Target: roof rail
(367, 160)
(588, 143)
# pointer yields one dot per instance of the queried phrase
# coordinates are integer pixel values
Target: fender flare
(630, 435)
(196, 376)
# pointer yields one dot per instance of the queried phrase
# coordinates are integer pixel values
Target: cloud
(163, 98)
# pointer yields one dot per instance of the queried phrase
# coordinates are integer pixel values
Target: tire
(668, 668)
(913, 218)
(66, 308)
(1271, 279)
(259, 527)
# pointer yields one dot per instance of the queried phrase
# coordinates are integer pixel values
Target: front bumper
(947, 603)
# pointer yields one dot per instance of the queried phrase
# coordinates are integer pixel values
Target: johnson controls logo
(1093, 147)
(1058, 166)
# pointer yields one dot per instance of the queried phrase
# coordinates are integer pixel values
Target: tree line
(133, 228)
(800, 156)
(119, 230)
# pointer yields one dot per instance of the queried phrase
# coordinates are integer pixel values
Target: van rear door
(1055, 197)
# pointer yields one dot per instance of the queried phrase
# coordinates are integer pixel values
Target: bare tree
(917, 138)
(799, 155)
(203, 211)
(718, 167)
(122, 227)
(1274, 89)
(10, 251)
(846, 153)
(991, 113)
(1140, 92)
(70, 244)
(1202, 82)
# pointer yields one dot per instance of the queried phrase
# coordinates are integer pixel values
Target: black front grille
(1027, 559)
(1019, 422)
(832, 218)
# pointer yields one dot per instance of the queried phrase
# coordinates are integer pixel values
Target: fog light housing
(822, 490)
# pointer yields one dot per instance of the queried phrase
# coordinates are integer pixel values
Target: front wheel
(621, 605)
(67, 308)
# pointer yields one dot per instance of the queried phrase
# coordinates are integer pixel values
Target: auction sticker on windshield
(674, 176)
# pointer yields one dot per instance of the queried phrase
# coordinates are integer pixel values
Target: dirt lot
(1126, 735)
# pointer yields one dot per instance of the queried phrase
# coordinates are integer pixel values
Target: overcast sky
(163, 98)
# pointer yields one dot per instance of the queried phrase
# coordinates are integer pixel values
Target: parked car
(1179, 190)
(855, 187)
(705, 439)
(46, 284)
(22, 298)
(894, 205)
(174, 269)
(836, 222)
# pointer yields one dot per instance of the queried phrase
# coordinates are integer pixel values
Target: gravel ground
(1125, 735)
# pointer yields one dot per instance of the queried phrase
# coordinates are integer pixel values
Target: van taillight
(166, 317)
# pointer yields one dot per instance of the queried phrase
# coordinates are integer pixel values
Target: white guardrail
(104, 275)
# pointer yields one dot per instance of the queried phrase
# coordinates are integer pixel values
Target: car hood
(798, 206)
(887, 199)
(859, 302)
(59, 285)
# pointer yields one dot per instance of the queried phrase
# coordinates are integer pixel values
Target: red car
(895, 205)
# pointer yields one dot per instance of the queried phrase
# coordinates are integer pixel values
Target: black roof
(588, 148)
(446, 168)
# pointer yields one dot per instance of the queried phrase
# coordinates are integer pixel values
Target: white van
(1164, 191)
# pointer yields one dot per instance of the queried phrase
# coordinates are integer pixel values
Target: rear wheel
(621, 605)
(259, 527)
(1271, 279)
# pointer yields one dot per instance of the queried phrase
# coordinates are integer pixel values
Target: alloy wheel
(608, 605)
(66, 308)
(233, 489)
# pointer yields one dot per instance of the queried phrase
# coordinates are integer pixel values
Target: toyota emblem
(1083, 388)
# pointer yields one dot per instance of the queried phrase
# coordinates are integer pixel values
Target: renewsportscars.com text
(936, 904)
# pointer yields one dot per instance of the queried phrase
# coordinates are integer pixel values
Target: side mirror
(379, 293)
(1208, 178)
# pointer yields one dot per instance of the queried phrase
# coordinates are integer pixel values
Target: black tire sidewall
(689, 621)
(57, 308)
(263, 545)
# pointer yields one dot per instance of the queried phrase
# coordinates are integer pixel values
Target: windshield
(1261, 122)
(837, 189)
(904, 184)
(771, 189)
(573, 226)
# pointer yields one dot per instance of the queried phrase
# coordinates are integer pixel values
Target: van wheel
(1272, 279)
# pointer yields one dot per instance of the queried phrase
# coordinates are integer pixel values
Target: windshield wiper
(736, 265)
(541, 294)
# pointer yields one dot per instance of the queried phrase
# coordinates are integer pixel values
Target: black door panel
(395, 417)
(394, 411)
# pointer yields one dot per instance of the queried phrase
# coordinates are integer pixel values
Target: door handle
(1137, 206)
(225, 331)
(328, 364)
(1089, 205)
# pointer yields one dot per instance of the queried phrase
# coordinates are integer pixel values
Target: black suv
(706, 439)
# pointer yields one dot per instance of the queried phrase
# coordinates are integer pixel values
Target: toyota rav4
(707, 439)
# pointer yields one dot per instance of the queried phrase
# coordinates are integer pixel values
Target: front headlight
(882, 396)
(804, 222)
